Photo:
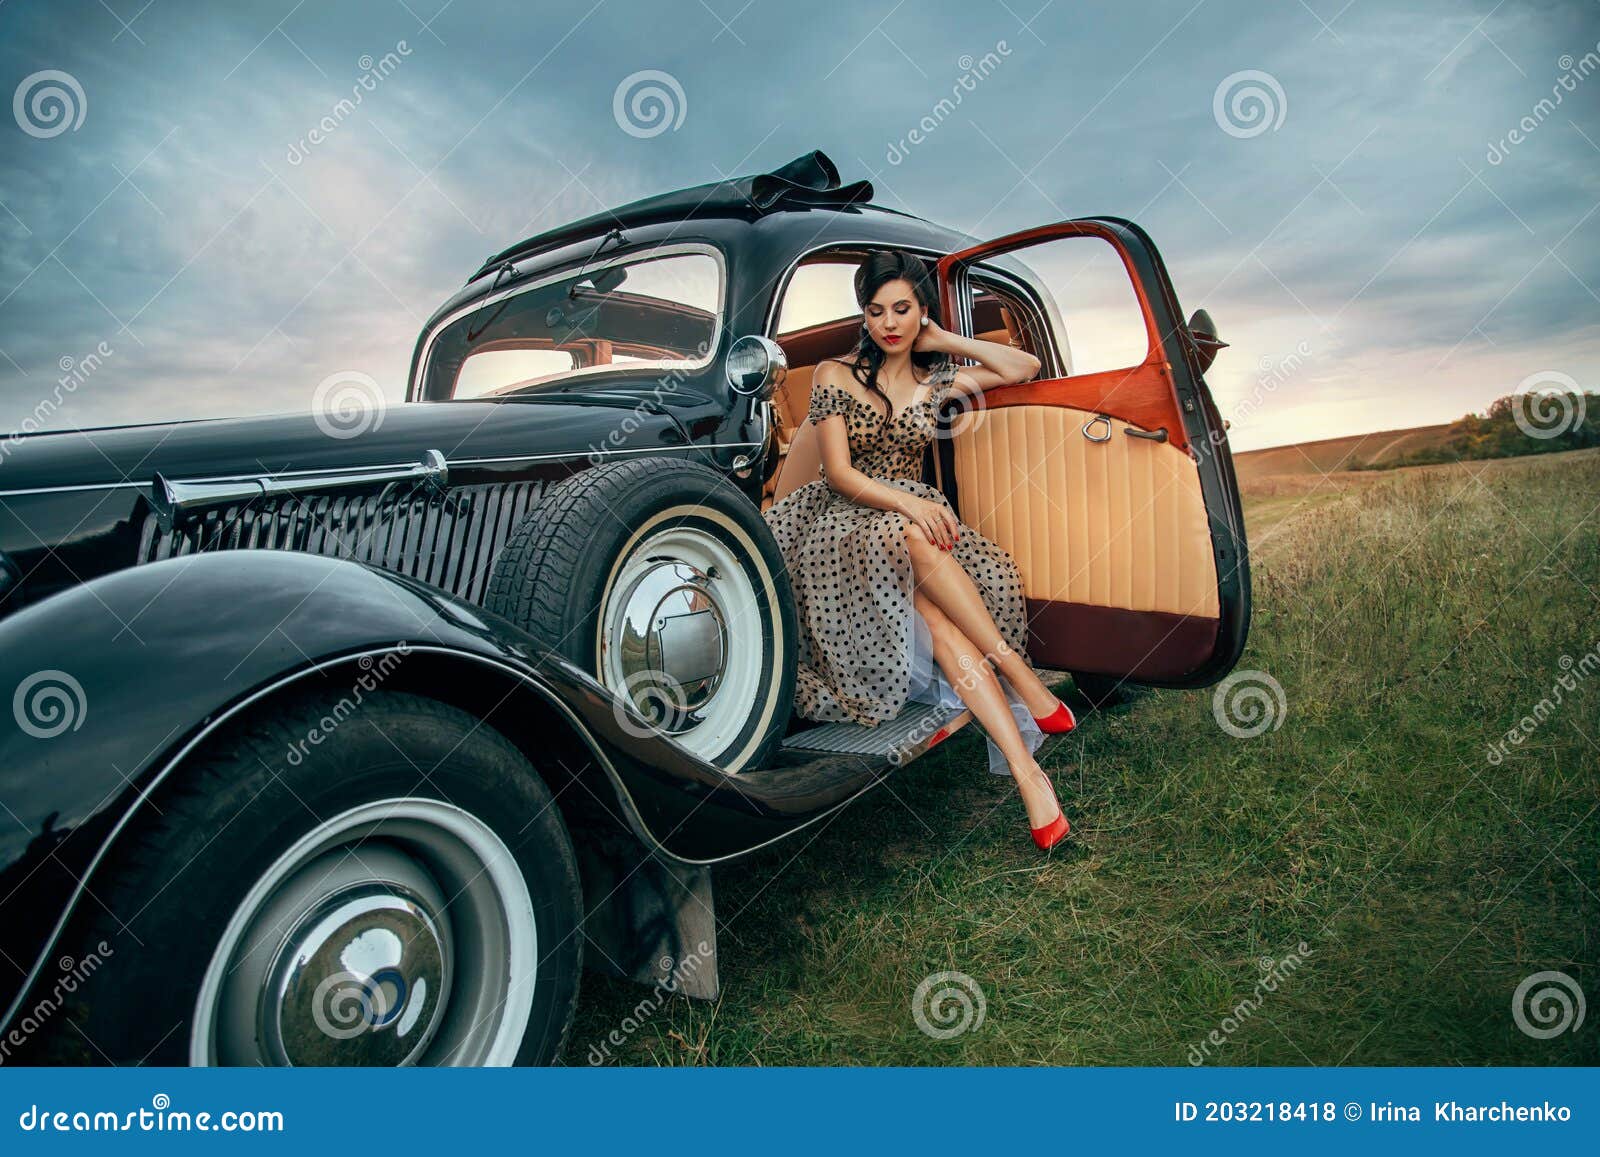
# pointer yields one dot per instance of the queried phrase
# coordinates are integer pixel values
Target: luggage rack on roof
(809, 179)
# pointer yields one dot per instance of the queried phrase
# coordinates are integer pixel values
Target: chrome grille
(449, 540)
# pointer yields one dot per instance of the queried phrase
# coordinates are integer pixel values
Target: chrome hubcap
(680, 637)
(360, 980)
(400, 932)
(672, 643)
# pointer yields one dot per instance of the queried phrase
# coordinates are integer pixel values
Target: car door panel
(1111, 490)
(1118, 526)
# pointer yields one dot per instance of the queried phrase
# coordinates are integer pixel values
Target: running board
(918, 727)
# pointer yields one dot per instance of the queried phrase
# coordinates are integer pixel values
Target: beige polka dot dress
(864, 651)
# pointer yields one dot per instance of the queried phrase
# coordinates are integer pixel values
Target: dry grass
(1337, 454)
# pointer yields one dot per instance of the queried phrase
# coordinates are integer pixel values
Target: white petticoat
(929, 685)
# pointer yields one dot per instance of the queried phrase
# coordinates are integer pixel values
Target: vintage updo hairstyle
(880, 268)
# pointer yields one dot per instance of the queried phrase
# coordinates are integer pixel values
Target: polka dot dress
(850, 567)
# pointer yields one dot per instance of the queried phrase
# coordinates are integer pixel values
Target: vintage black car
(351, 736)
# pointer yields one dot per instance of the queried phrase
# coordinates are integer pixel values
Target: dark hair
(880, 268)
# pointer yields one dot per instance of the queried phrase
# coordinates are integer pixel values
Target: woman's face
(894, 315)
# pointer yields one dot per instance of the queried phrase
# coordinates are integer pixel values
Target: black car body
(163, 585)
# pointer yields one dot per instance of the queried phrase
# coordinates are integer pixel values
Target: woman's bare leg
(941, 578)
(979, 689)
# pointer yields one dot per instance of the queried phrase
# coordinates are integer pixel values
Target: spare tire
(663, 581)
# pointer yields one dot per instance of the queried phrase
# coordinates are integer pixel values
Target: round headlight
(755, 362)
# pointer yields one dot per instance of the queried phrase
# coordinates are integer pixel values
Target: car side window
(819, 292)
(1074, 293)
(649, 312)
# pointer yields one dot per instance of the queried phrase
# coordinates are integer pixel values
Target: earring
(924, 319)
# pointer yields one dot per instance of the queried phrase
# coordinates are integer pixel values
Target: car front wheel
(394, 889)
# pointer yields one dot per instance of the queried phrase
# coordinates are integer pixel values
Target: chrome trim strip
(632, 257)
(449, 462)
(170, 499)
(617, 450)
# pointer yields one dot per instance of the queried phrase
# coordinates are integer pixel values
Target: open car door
(1108, 477)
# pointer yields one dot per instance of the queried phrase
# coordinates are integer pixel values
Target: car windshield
(650, 313)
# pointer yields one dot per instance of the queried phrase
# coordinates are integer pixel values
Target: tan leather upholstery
(792, 401)
(802, 464)
(1119, 523)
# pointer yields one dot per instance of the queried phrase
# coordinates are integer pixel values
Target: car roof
(811, 180)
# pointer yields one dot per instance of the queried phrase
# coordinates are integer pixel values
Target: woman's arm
(1001, 364)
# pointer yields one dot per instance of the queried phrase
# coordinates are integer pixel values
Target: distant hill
(1513, 426)
(1352, 452)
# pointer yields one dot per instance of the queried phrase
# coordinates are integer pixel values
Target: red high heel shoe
(1052, 833)
(1059, 721)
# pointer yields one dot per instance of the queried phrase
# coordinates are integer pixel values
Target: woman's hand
(930, 338)
(937, 520)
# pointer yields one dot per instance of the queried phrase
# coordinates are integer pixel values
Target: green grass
(1409, 623)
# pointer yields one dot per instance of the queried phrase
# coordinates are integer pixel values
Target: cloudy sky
(1370, 237)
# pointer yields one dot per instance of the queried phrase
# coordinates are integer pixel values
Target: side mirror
(1203, 332)
(756, 366)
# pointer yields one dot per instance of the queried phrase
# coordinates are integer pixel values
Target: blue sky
(1382, 256)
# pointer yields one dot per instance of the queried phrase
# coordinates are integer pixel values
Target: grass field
(1410, 619)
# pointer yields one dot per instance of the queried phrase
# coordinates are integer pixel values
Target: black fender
(113, 682)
